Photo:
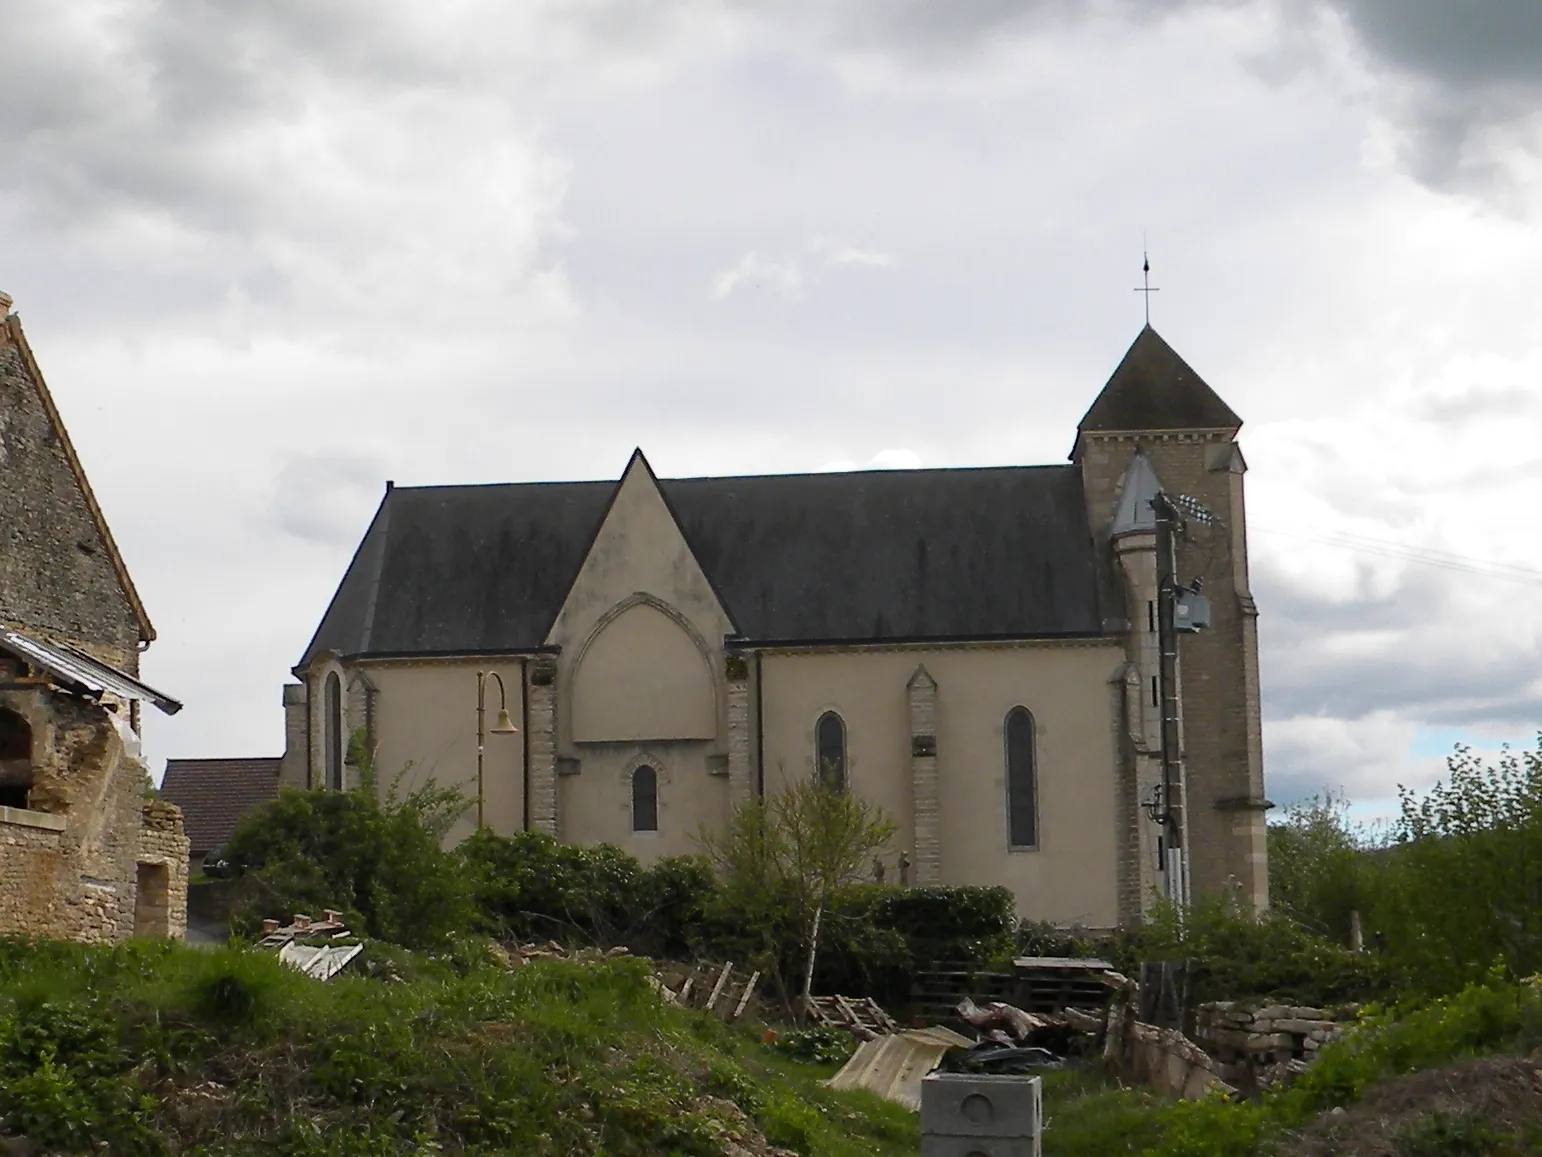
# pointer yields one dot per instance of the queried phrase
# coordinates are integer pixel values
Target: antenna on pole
(1145, 267)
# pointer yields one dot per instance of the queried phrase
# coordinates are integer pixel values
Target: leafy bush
(378, 861)
(530, 886)
(1236, 954)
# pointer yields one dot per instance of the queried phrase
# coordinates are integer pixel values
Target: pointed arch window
(1022, 780)
(15, 759)
(645, 799)
(830, 750)
(332, 728)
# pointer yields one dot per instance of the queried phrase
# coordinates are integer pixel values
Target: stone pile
(1265, 1036)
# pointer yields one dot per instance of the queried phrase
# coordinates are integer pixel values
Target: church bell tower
(1158, 429)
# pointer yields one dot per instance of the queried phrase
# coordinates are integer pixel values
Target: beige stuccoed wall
(1071, 878)
(595, 804)
(640, 676)
(643, 677)
(425, 716)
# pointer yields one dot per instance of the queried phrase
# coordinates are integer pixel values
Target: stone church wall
(56, 571)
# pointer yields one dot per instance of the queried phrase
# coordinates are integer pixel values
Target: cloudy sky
(271, 255)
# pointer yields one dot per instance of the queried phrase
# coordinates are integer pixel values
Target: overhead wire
(1422, 556)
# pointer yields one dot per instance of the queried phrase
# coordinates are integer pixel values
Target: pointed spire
(1155, 389)
(1140, 485)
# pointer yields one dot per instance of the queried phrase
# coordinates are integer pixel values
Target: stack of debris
(1277, 1032)
(552, 950)
(1267, 1045)
(1039, 985)
(1051, 984)
(1235, 1047)
(319, 948)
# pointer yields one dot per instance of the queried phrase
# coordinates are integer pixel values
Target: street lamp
(504, 726)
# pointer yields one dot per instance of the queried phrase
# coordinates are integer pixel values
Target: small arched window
(15, 759)
(1022, 781)
(645, 799)
(333, 732)
(830, 750)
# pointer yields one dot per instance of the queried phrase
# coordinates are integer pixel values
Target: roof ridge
(874, 470)
(225, 759)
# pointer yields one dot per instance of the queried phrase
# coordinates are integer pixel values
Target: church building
(975, 650)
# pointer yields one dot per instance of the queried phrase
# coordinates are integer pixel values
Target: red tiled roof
(215, 793)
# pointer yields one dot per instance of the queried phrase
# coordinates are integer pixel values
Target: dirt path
(1500, 1096)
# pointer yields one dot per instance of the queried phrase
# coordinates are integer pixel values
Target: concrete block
(936, 1146)
(974, 1105)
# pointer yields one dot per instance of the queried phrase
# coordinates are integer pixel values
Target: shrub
(1236, 954)
(378, 861)
(530, 886)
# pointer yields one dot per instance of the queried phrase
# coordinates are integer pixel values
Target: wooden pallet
(1042, 986)
(936, 991)
(862, 1016)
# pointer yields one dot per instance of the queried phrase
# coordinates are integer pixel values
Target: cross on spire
(1148, 289)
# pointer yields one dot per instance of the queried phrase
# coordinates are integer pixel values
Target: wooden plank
(744, 999)
(717, 989)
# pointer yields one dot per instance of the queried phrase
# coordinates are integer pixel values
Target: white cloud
(791, 275)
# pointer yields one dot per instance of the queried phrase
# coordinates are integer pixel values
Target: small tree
(783, 858)
(1318, 867)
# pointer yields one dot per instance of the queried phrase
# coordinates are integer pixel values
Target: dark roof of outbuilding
(215, 793)
(1155, 389)
(902, 554)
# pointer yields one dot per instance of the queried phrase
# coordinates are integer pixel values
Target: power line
(1422, 556)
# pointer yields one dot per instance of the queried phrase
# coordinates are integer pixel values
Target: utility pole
(1174, 795)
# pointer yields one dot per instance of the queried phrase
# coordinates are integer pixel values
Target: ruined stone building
(972, 649)
(84, 853)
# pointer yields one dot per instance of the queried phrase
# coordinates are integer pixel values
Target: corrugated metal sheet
(322, 961)
(894, 1066)
(81, 672)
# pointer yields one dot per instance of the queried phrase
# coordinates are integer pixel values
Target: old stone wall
(57, 569)
(70, 863)
(161, 902)
(31, 857)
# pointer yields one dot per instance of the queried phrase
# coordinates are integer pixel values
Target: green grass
(156, 1048)
(1086, 1115)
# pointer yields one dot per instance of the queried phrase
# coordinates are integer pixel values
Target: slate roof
(1155, 389)
(1137, 489)
(800, 558)
(215, 793)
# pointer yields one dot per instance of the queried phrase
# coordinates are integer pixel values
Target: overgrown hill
(162, 1049)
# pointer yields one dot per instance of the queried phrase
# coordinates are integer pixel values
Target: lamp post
(504, 726)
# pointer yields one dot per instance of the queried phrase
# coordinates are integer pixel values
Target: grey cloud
(324, 496)
(1478, 402)
(1425, 664)
(1470, 67)
(1473, 43)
